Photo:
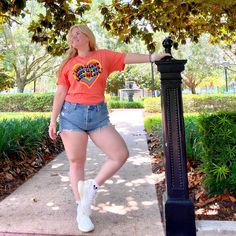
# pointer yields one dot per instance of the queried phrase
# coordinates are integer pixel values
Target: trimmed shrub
(123, 104)
(26, 102)
(24, 137)
(152, 105)
(197, 103)
(152, 123)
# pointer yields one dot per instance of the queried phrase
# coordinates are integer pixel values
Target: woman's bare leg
(113, 145)
(75, 143)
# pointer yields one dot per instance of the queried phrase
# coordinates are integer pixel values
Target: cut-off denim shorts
(81, 117)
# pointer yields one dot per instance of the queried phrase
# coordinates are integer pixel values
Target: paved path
(126, 204)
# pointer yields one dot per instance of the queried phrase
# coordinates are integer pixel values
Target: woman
(79, 99)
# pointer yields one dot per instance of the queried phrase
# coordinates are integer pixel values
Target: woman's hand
(52, 131)
(158, 56)
(57, 105)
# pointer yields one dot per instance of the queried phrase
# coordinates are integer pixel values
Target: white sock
(95, 185)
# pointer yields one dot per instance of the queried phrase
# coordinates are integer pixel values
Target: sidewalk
(126, 204)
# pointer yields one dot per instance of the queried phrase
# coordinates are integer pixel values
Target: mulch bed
(221, 207)
(14, 171)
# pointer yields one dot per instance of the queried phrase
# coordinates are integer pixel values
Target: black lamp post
(226, 76)
(179, 210)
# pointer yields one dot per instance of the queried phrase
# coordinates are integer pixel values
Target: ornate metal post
(179, 210)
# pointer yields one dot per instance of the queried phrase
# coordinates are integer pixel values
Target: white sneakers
(84, 222)
(87, 191)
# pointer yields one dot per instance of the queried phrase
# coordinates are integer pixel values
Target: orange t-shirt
(86, 77)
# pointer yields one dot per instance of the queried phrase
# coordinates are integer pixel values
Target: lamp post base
(180, 219)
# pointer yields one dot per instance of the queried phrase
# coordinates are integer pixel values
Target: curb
(215, 228)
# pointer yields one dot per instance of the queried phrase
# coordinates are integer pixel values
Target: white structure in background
(130, 92)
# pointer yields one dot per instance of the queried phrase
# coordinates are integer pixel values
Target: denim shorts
(81, 117)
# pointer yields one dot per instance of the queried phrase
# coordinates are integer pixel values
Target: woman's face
(78, 39)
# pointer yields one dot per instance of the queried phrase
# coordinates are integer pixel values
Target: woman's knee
(126, 155)
(76, 163)
(123, 155)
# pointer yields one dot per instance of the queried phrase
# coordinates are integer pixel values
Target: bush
(26, 102)
(123, 104)
(216, 147)
(191, 135)
(152, 105)
(22, 137)
(211, 141)
(197, 103)
(25, 138)
(152, 123)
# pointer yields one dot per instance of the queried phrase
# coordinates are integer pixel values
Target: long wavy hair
(72, 52)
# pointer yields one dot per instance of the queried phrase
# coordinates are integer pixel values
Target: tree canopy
(51, 28)
(181, 19)
(130, 18)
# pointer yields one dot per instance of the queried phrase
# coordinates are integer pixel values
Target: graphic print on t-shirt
(87, 73)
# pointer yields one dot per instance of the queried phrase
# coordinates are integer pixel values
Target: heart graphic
(87, 73)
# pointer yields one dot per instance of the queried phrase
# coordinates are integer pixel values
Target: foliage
(211, 142)
(217, 151)
(191, 135)
(22, 137)
(197, 103)
(51, 26)
(152, 123)
(152, 105)
(192, 103)
(182, 19)
(201, 67)
(128, 19)
(115, 82)
(123, 104)
(21, 115)
(25, 61)
(26, 102)
(42, 102)
(6, 82)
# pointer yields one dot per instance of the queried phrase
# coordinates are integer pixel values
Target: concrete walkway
(126, 204)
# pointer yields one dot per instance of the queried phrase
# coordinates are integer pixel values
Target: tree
(51, 27)
(203, 59)
(128, 19)
(181, 19)
(25, 61)
(115, 82)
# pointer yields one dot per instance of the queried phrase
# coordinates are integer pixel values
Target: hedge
(23, 138)
(41, 102)
(197, 103)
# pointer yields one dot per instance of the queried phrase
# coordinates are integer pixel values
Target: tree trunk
(193, 89)
(20, 86)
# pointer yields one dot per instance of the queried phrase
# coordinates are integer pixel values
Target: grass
(21, 115)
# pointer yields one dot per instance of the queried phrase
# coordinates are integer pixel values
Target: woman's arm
(56, 108)
(134, 58)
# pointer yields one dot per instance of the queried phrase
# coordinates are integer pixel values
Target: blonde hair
(72, 52)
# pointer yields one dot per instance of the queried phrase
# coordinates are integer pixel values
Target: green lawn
(18, 115)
